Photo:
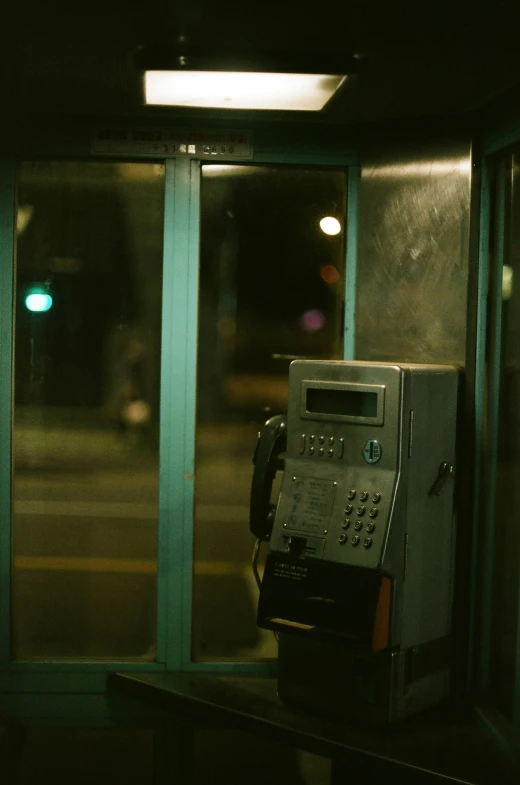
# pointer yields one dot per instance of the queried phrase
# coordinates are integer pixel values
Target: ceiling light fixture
(191, 77)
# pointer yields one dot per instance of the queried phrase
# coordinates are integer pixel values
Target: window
(86, 396)
(271, 289)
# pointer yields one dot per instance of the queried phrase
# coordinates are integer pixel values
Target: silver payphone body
(358, 579)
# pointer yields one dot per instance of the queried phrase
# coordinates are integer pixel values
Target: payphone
(358, 579)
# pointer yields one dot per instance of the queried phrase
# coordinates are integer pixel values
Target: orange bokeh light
(329, 273)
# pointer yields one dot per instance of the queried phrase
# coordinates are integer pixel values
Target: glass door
(88, 291)
(262, 247)
(272, 267)
(504, 418)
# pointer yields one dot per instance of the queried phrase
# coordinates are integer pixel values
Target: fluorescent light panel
(241, 90)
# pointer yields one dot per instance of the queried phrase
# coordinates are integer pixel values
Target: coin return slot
(297, 546)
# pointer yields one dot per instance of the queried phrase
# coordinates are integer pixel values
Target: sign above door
(191, 142)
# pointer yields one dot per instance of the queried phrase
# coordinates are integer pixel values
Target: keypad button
(376, 498)
(302, 443)
(346, 523)
(358, 525)
(370, 526)
(341, 445)
(360, 510)
(373, 512)
(355, 539)
(311, 450)
(367, 542)
(321, 451)
(348, 509)
(330, 453)
(331, 439)
(342, 538)
(363, 496)
(321, 439)
(312, 439)
(352, 494)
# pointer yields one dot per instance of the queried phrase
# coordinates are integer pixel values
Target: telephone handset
(272, 442)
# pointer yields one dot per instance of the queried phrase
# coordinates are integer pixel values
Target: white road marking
(85, 509)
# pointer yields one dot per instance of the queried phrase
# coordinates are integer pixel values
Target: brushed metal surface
(413, 253)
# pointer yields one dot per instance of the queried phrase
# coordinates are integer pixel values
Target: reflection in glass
(271, 289)
(413, 255)
(86, 395)
(506, 564)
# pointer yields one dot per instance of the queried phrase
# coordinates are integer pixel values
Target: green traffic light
(38, 299)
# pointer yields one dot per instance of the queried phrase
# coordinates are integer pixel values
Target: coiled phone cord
(254, 565)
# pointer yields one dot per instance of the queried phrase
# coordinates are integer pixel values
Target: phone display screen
(350, 403)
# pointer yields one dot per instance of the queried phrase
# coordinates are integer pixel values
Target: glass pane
(85, 433)
(271, 289)
(506, 565)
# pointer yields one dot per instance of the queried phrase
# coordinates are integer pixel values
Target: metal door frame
(178, 389)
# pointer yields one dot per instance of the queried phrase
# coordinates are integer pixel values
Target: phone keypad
(360, 525)
(335, 448)
(363, 496)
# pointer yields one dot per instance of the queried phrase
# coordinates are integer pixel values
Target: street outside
(85, 544)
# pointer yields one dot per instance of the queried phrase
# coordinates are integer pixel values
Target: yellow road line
(221, 568)
(84, 564)
(92, 509)
(116, 565)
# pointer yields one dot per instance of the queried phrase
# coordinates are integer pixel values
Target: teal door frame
(177, 443)
(7, 238)
(497, 151)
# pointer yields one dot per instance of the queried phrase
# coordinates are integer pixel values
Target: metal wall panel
(413, 259)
